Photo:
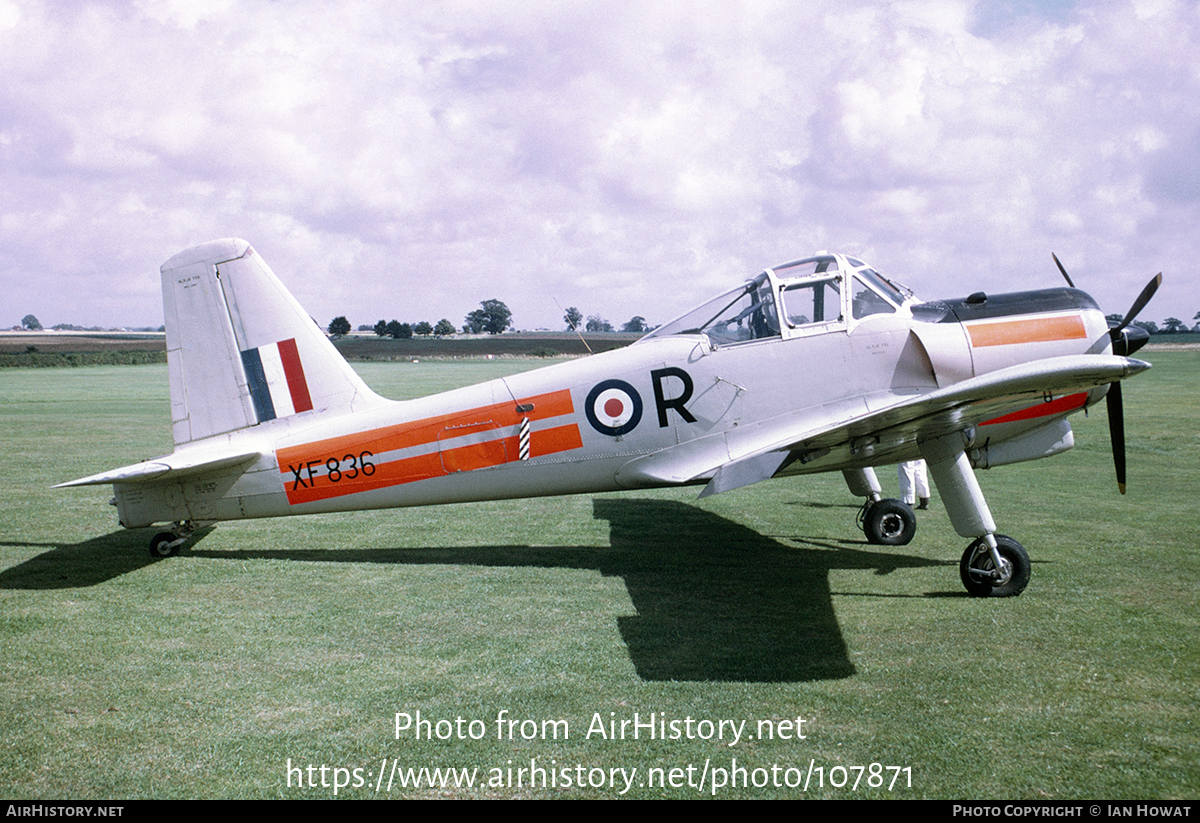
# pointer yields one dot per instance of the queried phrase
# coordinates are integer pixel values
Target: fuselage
(798, 348)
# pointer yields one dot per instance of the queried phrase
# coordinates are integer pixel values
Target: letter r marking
(660, 400)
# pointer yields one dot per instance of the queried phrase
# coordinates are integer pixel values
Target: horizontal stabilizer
(176, 465)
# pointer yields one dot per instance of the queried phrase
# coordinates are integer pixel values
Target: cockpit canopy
(794, 299)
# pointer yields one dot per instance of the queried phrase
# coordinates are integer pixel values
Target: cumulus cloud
(410, 161)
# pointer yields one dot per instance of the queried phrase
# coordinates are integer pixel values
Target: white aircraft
(812, 366)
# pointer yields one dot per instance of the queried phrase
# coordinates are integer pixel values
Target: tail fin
(241, 350)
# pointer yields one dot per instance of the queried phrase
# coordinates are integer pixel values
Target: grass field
(301, 639)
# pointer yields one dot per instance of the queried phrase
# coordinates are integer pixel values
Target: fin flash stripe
(275, 378)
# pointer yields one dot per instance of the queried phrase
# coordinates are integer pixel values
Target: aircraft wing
(756, 452)
(180, 464)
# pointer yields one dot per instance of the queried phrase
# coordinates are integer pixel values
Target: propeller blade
(1116, 431)
(1061, 269)
(1138, 305)
(1124, 343)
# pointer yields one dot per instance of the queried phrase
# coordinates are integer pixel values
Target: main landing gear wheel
(889, 523)
(165, 544)
(978, 571)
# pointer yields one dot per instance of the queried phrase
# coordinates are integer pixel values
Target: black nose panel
(962, 309)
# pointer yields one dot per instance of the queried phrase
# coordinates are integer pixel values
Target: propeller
(1125, 340)
(1061, 269)
(1116, 431)
(1138, 305)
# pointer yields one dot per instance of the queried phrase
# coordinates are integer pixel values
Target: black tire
(160, 545)
(889, 523)
(976, 569)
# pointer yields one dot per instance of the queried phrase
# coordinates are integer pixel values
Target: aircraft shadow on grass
(78, 565)
(715, 600)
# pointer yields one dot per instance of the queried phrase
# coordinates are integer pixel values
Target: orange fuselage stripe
(1030, 330)
(433, 464)
(354, 459)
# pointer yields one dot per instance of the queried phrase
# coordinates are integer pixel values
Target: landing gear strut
(993, 565)
(168, 544)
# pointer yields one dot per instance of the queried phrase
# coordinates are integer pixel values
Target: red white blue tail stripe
(276, 380)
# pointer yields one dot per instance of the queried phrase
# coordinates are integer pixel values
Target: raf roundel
(613, 407)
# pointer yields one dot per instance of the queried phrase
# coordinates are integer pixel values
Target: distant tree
(636, 324)
(597, 323)
(492, 317)
(443, 328)
(339, 326)
(423, 328)
(398, 330)
(30, 322)
(1148, 325)
(381, 328)
(573, 318)
(1172, 325)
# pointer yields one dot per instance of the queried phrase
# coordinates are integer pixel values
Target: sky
(408, 160)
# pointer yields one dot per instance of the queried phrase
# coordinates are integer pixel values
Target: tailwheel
(889, 523)
(979, 574)
(165, 544)
(168, 544)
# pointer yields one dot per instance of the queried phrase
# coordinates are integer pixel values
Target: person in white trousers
(914, 483)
